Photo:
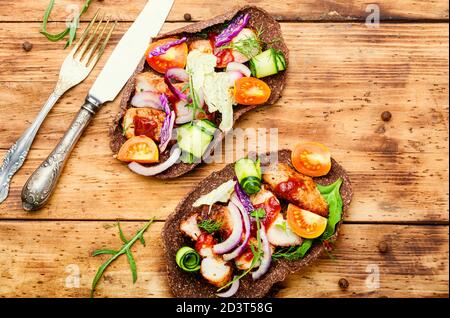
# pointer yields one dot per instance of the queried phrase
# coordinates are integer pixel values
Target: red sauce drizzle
(289, 188)
(223, 56)
(272, 208)
(144, 127)
(204, 240)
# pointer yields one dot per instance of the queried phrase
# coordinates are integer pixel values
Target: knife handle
(40, 185)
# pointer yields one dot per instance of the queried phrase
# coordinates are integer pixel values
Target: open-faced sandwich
(246, 227)
(192, 85)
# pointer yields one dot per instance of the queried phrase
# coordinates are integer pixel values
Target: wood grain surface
(416, 263)
(335, 94)
(343, 75)
(288, 10)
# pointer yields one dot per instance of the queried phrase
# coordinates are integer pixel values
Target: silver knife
(116, 72)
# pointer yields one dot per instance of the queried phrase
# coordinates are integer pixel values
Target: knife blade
(118, 69)
(129, 51)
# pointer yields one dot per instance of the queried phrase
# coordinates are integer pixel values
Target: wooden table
(343, 75)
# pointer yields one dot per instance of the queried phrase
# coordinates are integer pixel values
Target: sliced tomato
(312, 159)
(304, 223)
(251, 91)
(176, 56)
(140, 149)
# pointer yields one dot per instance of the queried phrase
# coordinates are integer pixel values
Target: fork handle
(40, 185)
(16, 155)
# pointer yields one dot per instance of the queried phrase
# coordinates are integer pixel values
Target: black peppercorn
(27, 46)
(343, 283)
(383, 247)
(187, 17)
(386, 116)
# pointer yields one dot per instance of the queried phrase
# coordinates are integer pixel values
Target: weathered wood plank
(38, 259)
(289, 10)
(335, 94)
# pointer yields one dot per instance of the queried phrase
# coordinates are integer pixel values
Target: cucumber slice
(248, 174)
(281, 62)
(207, 126)
(193, 139)
(264, 64)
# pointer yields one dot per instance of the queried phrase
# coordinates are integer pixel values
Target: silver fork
(75, 68)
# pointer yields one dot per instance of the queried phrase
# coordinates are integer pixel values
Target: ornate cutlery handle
(16, 155)
(39, 187)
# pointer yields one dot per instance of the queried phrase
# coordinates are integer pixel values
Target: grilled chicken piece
(221, 214)
(280, 236)
(150, 82)
(268, 201)
(261, 196)
(244, 261)
(150, 124)
(216, 271)
(296, 188)
(189, 227)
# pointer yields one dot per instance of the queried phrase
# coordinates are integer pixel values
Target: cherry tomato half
(176, 56)
(304, 223)
(312, 159)
(251, 91)
(140, 149)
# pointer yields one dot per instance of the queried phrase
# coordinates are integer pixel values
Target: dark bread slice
(190, 285)
(272, 34)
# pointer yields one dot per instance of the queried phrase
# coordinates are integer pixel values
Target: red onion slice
(245, 217)
(166, 131)
(154, 170)
(233, 240)
(146, 99)
(180, 75)
(232, 30)
(231, 291)
(243, 69)
(234, 76)
(267, 257)
(243, 197)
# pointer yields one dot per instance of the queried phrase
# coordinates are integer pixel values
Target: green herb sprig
(71, 30)
(195, 101)
(210, 226)
(258, 252)
(125, 249)
(293, 253)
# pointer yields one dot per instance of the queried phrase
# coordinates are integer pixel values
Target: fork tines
(91, 38)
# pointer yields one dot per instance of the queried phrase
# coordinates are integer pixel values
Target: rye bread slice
(272, 34)
(190, 285)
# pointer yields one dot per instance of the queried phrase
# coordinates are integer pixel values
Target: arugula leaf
(122, 236)
(294, 253)
(69, 30)
(132, 265)
(258, 213)
(126, 249)
(104, 251)
(282, 226)
(333, 197)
